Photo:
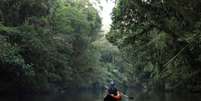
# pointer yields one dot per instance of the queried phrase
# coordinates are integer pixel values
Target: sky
(105, 12)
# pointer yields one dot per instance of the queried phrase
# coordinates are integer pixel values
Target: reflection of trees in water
(89, 95)
(161, 96)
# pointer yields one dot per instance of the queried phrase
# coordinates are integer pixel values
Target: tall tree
(160, 38)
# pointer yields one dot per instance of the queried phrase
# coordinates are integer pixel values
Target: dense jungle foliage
(161, 39)
(53, 44)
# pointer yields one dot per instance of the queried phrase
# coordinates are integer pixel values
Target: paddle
(129, 97)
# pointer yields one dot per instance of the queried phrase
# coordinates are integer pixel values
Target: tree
(158, 36)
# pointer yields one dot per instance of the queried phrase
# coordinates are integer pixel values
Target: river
(98, 96)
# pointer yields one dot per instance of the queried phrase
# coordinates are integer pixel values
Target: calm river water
(98, 96)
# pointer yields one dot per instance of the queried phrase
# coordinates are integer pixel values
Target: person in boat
(112, 93)
(112, 89)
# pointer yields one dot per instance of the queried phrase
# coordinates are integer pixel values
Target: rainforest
(73, 46)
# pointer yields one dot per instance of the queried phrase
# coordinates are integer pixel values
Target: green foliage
(45, 44)
(161, 40)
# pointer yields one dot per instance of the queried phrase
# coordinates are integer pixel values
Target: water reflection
(154, 96)
(98, 96)
(85, 95)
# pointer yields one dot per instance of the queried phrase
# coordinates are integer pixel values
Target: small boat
(113, 97)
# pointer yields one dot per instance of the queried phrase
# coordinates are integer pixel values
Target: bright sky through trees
(105, 9)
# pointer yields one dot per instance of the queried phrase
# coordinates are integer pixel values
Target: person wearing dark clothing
(112, 88)
(112, 93)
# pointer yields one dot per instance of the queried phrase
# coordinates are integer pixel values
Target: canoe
(112, 98)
